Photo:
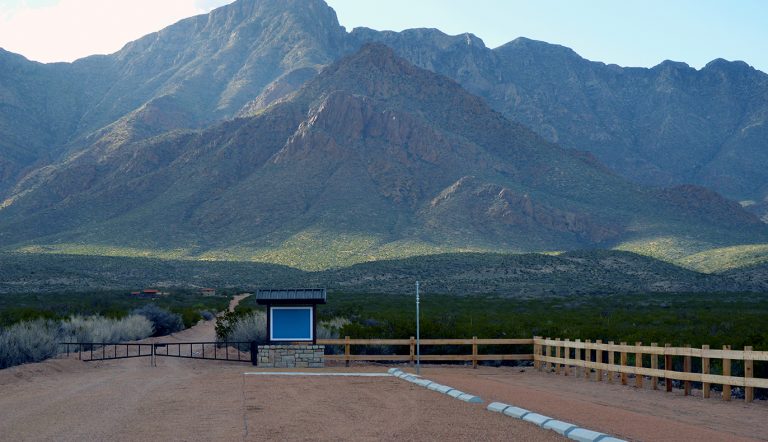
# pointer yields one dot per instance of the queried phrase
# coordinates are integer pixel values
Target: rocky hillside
(336, 162)
(188, 75)
(373, 157)
(663, 126)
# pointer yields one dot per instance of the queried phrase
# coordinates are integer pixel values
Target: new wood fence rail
(474, 356)
(565, 355)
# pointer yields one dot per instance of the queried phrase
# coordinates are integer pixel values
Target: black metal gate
(213, 351)
(104, 351)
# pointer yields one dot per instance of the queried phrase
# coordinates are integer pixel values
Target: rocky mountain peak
(537, 48)
(723, 64)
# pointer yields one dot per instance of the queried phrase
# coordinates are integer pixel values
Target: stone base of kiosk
(291, 356)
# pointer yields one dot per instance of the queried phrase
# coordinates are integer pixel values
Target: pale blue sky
(625, 32)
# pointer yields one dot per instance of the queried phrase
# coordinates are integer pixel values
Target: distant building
(208, 292)
(147, 293)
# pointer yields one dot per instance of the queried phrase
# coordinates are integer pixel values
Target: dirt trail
(202, 331)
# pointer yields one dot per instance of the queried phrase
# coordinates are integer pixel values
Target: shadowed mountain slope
(663, 126)
(373, 157)
(135, 152)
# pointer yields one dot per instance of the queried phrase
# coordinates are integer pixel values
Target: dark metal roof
(314, 296)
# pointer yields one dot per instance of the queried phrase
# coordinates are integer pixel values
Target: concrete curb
(571, 431)
(434, 386)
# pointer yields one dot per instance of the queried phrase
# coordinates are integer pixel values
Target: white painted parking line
(307, 373)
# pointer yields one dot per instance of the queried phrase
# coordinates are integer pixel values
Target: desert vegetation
(188, 304)
(39, 339)
(33, 325)
(679, 319)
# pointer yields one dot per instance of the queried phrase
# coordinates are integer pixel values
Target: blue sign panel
(291, 323)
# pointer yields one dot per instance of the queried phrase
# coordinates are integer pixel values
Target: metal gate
(213, 351)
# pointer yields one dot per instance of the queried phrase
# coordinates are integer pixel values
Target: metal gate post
(254, 353)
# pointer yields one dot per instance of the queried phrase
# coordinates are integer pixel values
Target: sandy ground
(183, 399)
(624, 411)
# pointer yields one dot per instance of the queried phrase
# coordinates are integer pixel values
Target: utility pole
(418, 334)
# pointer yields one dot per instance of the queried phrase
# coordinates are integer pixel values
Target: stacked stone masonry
(291, 356)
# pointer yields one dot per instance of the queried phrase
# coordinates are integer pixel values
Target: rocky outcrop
(701, 202)
(485, 203)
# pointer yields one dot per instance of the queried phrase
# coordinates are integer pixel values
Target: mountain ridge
(154, 118)
(373, 147)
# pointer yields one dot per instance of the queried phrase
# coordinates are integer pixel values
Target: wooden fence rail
(474, 356)
(557, 354)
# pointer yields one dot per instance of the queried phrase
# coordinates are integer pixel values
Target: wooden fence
(474, 356)
(580, 358)
(610, 362)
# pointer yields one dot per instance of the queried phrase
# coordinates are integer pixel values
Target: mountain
(188, 75)
(372, 157)
(239, 135)
(664, 126)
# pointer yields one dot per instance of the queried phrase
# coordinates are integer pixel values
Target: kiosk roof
(290, 296)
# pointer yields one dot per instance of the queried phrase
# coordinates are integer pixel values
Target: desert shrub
(29, 341)
(163, 321)
(250, 327)
(34, 341)
(100, 329)
(331, 329)
(189, 316)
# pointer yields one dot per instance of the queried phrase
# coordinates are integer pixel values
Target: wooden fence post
(623, 364)
(550, 353)
(638, 364)
(612, 362)
(687, 369)
(667, 367)
(412, 351)
(346, 350)
(705, 386)
(566, 356)
(577, 356)
(474, 351)
(587, 359)
(655, 366)
(599, 360)
(749, 392)
(726, 372)
(557, 355)
(536, 353)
